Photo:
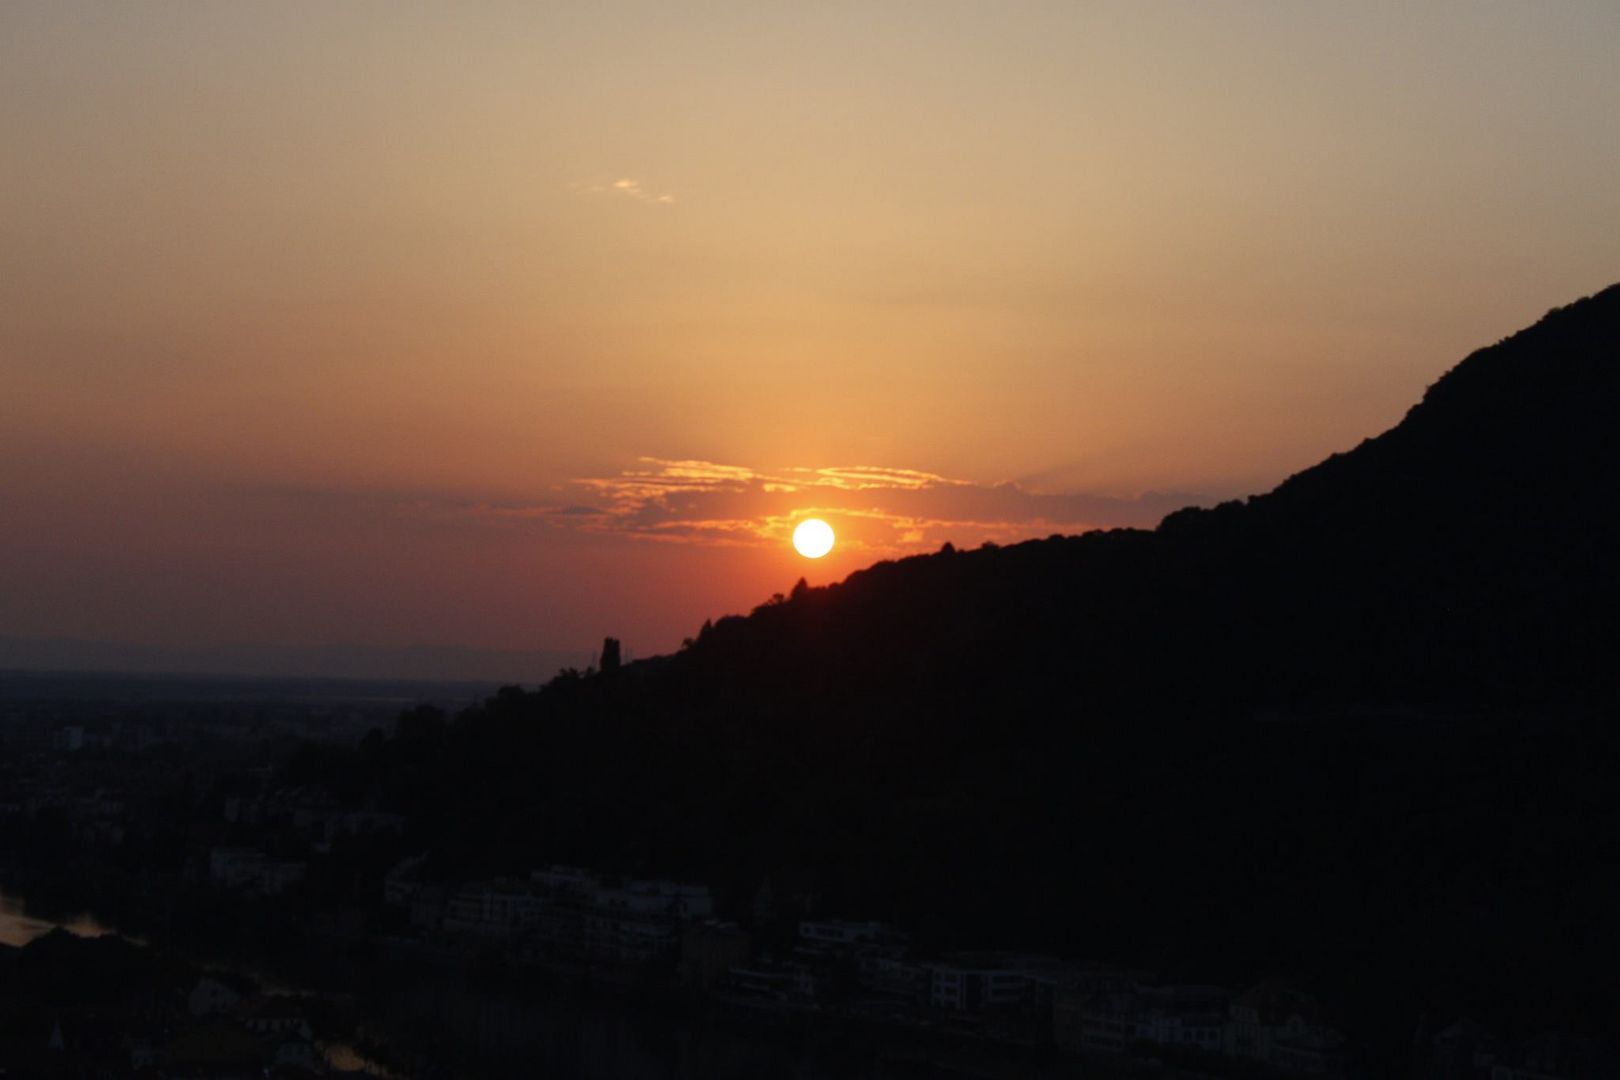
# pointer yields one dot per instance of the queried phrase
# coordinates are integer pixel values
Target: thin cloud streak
(877, 509)
(628, 188)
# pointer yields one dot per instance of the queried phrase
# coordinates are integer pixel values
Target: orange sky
(517, 326)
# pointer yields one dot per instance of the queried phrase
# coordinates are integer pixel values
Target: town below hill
(207, 841)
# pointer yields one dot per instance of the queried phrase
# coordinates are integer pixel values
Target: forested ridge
(1359, 729)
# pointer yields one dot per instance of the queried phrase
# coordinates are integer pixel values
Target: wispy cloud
(878, 509)
(627, 188)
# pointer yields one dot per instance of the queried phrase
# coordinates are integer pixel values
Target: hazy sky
(512, 325)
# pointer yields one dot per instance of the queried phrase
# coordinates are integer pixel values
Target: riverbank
(18, 927)
(400, 1016)
(78, 998)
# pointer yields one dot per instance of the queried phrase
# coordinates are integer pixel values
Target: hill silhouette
(1464, 556)
(1358, 729)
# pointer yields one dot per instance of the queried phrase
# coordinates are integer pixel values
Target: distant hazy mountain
(326, 661)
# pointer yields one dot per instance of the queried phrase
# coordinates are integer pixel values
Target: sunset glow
(501, 331)
(885, 531)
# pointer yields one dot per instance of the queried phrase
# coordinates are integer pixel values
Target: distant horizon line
(354, 662)
(111, 674)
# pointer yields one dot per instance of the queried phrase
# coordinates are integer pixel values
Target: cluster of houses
(869, 972)
(560, 913)
(248, 870)
(855, 971)
(232, 1029)
(95, 815)
(310, 810)
(312, 813)
(1466, 1050)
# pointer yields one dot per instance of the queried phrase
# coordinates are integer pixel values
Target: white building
(566, 881)
(249, 870)
(211, 996)
(1184, 1015)
(970, 982)
(1282, 1026)
(841, 933)
(497, 908)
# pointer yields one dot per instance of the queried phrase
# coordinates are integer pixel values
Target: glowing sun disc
(813, 538)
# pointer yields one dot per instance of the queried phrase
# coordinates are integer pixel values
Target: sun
(813, 538)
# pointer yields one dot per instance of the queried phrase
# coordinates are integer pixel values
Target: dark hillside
(1467, 555)
(1358, 728)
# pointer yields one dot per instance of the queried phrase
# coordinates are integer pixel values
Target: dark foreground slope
(1467, 555)
(1358, 729)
